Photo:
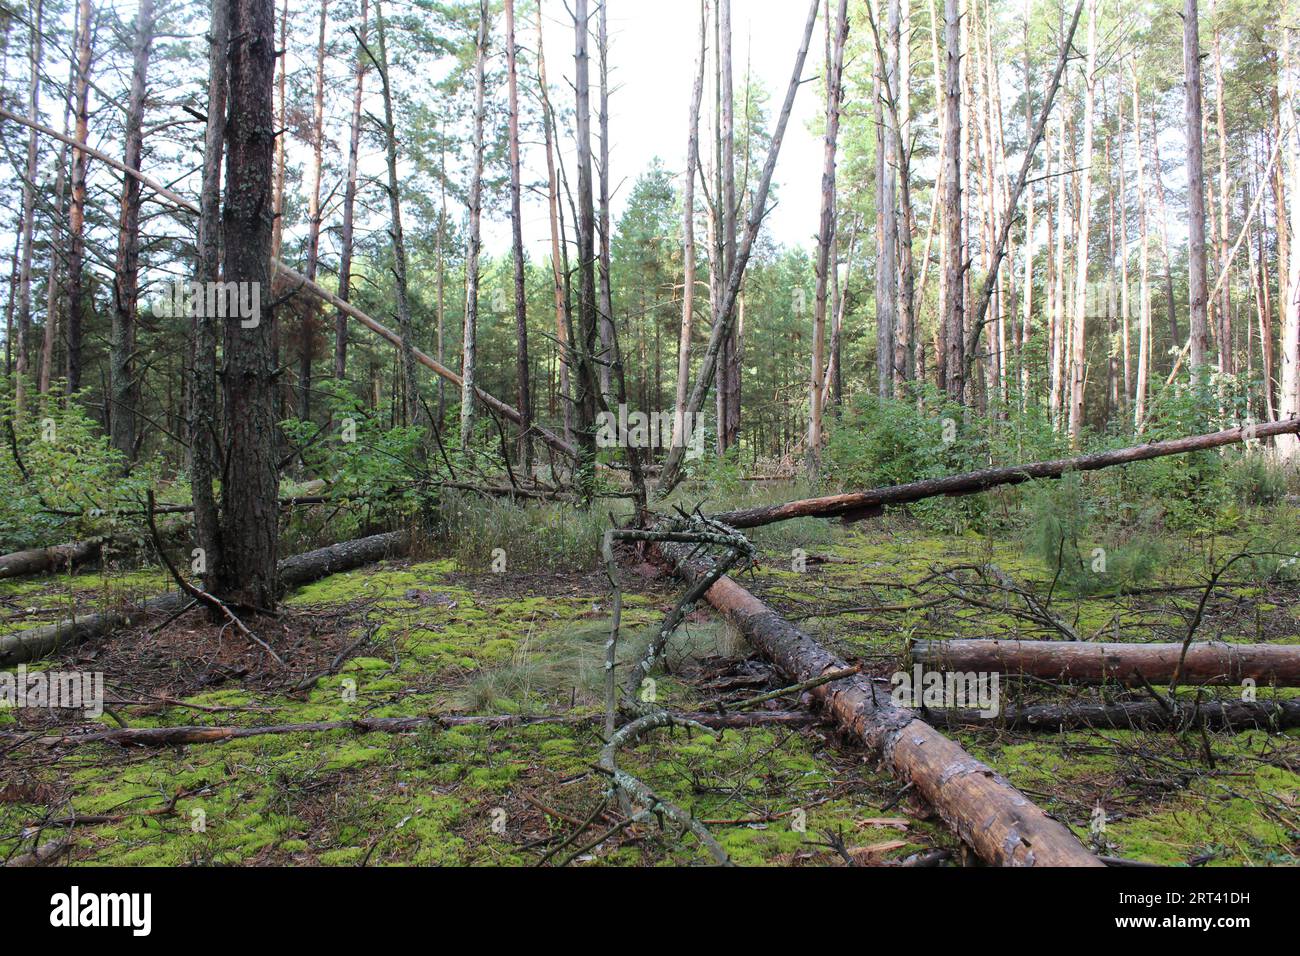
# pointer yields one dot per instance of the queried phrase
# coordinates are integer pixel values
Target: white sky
(653, 45)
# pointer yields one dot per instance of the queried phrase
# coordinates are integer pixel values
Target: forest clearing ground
(438, 639)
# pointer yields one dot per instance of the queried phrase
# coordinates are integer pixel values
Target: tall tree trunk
(54, 272)
(558, 256)
(204, 388)
(469, 361)
(77, 216)
(1162, 212)
(250, 510)
(307, 328)
(517, 235)
(729, 381)
(954, 266)
(282, 58)
(1078, 354)
(349, 206)
(126, 288)
(671, 474)
(1226, 362)
(887, 265)
(688, 238)
(587, 395)
(1288, 75)
(28, 220)
(1196, 288)
(837, 30)
(1144, 269)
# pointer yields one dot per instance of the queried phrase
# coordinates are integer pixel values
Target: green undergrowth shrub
(534, 536)
(63, 480)
(1081, 553)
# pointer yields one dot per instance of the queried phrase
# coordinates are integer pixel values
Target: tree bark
(838, 29)
(1078, 353)
(307, 330)
(996, 820)
(77, 215)
(349, 205)
(246, 575)
(688, 238)
(27, 222)
(1196, 287)
(469, 356)
(126, 284)
(204, 394)
(405, 327)
(523, 389)
(1130, 664)
(864, 504)
(672, 474)
(1214, 715)
(954, 251)
(587, 397)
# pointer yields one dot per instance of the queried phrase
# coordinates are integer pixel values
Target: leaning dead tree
(993, 817)
(857, 505)
(1087, 662)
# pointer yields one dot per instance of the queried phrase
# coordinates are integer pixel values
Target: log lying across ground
(294, 572)
(1207, 662)
(60, 557)
(1227, 715)
(178, 736)
(63, 557)
(857, 505)
(993, 817)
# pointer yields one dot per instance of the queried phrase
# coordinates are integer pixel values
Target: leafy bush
(62, 479)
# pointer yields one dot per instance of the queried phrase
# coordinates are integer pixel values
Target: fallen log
(293, 572)
(179, 736)
(993, 817)
(1227, 715)
(1208, 662)
(858, 505)
(60, 557)
(64, 557)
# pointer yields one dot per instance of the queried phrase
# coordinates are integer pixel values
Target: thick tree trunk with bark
(587, 396)
(246, 575)
(204, 389)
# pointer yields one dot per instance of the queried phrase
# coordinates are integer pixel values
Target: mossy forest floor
(428, 636)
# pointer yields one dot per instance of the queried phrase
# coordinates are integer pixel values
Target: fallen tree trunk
(993, 817)
(298, 279)
(60, 557)
(293, 572)
(1085, 662)
(178, 736)
(1229, 715)
(857, 505)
